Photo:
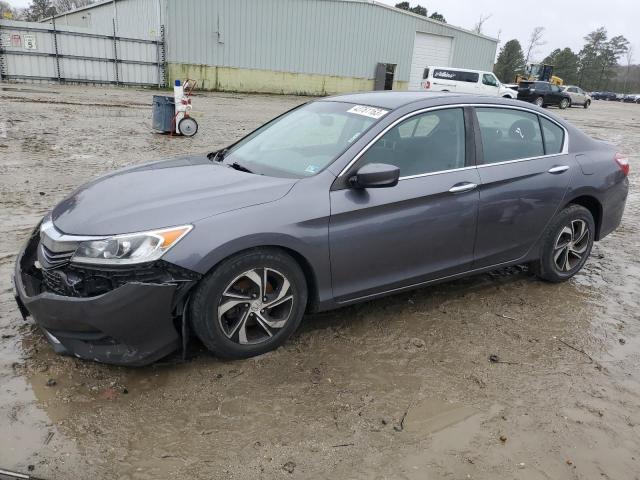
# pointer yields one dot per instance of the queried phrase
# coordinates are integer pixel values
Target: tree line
(594, 67)
(420, 10)
(40, 9)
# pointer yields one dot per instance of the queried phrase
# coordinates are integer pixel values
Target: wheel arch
(239, 248)
(594, 206)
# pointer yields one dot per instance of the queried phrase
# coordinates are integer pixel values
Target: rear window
(458, 76)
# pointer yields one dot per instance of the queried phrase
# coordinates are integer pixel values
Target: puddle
(432, 415)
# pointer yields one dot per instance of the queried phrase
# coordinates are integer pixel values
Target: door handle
(463, 187)
(558, 169)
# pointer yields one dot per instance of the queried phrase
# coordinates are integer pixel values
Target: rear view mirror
(375, 175)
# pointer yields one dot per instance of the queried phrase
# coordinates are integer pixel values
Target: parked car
(543, 94)
(578, 96)
(632, 98)
(338, 201)
(446, 79)
(611, 96)
(595, 95)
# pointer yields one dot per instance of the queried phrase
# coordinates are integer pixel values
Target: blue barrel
(163, 112)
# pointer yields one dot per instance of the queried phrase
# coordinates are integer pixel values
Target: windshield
(304, 141)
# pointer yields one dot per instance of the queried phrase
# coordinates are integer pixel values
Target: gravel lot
(394, 388)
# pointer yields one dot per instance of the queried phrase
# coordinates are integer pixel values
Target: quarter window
(553, 136)
(509, 134)
(426, 143)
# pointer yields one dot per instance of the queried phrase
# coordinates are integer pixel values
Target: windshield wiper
(217, 156)
(239, 167)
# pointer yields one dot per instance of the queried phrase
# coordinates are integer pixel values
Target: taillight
(623, 163)
(426, 84)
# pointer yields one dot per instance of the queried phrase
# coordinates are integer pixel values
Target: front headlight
(130, 248)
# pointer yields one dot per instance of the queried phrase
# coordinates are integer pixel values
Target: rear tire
(249, 304)
(565, 244)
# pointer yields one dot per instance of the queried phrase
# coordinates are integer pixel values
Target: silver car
(578, 96)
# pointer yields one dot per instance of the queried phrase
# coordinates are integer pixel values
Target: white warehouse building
(290, 46)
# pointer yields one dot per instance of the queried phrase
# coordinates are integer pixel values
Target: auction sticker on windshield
(371, 112)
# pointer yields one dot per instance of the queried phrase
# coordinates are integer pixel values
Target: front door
(524, 177)
(556, 94)
(421, 229)
(490, 84)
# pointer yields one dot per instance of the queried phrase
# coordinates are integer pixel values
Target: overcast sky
(566, 21)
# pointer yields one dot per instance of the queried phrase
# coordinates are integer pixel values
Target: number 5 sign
(30, 42)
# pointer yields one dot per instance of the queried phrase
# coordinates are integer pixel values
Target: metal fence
(39, 52)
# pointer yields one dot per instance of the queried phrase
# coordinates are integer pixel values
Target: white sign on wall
(30, 42)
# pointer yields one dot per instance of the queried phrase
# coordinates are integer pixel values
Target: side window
(553, 136)
(555, 88)
(426, 143)
(425, 74)
(457, 75)
(489, 79)
(509, 134)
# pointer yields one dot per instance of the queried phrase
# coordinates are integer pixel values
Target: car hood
(163, 194)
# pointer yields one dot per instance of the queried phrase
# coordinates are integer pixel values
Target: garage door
(428, 49)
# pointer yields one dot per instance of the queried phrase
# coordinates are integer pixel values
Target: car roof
(392, 100)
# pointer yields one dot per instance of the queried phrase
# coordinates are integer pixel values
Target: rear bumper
(130, 325)
(613, 207)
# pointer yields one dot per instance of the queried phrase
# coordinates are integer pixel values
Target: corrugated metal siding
(329, 37)
(23, 63)
(134, 18)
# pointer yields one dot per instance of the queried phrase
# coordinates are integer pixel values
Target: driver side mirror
(375, 175)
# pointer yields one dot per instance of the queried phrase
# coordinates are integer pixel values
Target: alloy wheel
(539, 101)
(255, 306)
(571, 245)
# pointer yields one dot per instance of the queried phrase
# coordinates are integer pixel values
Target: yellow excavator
(539, 71)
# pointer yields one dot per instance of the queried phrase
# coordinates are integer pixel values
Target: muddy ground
(398, 388)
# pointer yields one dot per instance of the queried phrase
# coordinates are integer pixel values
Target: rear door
(524, 172)
(383, 239)
(573, 93)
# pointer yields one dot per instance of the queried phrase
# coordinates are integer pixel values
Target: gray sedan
(337, 201)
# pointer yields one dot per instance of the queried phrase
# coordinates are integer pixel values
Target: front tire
(565, 244)
(539, 101)
(249, 304)
(587, 104)
(564, 103)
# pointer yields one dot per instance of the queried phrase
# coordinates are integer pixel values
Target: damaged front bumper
(117, 316)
